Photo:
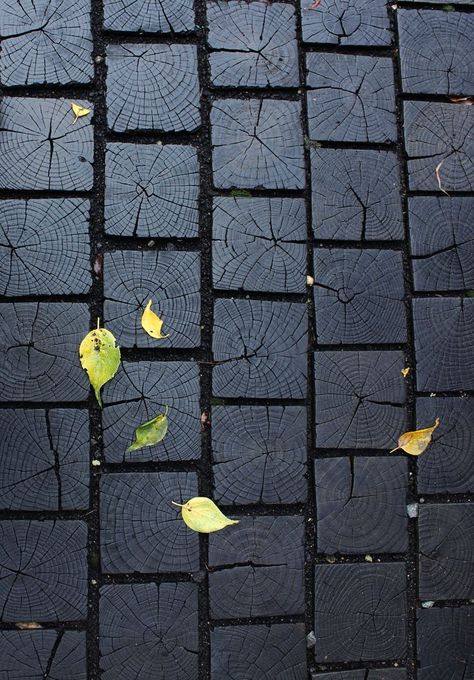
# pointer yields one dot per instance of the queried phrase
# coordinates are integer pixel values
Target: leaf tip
(97, 396)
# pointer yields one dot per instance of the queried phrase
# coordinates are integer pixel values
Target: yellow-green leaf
(100, 357)
(201, 514)
(405, 371)
(152, 323)
(150, 433)
(417, 441)
(79, 111)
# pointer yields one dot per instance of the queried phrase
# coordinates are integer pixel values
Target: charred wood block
(346, 22)
(152, 87)
(360, 612)
(140, 391)
(38, 654)
(359, 296)
(43, 570)
(263, 652)
(356, 195)
(166, 16)
(149, 630)
(141, 531)
(259, 454)
(446, 540)
(44, 247)
(448, 466)
(351, 98)
(257, 143)
(442, 242)
(361, 505)
(439, 143)
(445, 648)
(436, 54)
(260, 349)
(364, 674)
(172, 279)
(151, 190)
(42, 148)
(360, 399)
(253, 44)
(45, 42)
(259, 244)
(44, 459)
(39, 345)
(256, 569)
(444, 343)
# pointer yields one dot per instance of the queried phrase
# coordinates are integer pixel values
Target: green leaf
(100, 358)
(150, 433)
(201, 514)
(240, 193)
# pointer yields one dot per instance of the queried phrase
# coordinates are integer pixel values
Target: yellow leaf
(79, 111)
(100, 357)
(417, 441)
(150, 433)
(152, 323)
(406, 371)
(201, 514)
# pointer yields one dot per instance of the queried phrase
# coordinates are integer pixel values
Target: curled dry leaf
(152, 323)
(28, 625)
(79, 111)
(150, 433)
(205, 421)
(417, 441)
(438, 176)
(315, 4)
(100, 358)
(201, 514)
(406, 371)
(469, 101)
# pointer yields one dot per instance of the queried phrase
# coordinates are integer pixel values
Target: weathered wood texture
(140, 530)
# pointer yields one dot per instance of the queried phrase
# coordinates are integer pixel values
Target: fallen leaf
(100, 358)
(405, 371)
(201, 514)
(152, 323)
(315, 4)
(309, 281)
(79, 111)
(150, 433)
(205, 421)
(462, 100)
(240, 193)
(29, 625)
(438, 177)
(417, 441)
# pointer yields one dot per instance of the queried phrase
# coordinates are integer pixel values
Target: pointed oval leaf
(201, 514)
(79, 111)
(150, 433)
(100, 357)
(152, 323)
(417, 441)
